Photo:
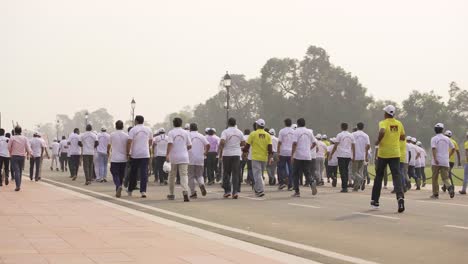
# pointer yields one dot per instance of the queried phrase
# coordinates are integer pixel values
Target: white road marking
(380, 216)
(458, 227)
(304, 205)
(320, 251)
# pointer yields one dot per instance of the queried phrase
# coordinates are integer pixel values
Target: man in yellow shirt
(465, 180)
(391, 132)
(449, 134)
(262, 152)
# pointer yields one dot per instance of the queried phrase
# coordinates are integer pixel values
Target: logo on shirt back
(393, 128)
(261, 136)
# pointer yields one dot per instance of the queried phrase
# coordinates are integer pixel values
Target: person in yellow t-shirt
(465, 180)
(391, 132)
(261, 147)
(449, 134)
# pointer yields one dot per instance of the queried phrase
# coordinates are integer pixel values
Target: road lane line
(323, 252)
(380, 216)
(304, 205)
(458, 227)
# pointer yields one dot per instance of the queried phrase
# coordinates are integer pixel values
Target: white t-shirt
(304, 138)
(88, 139)
(140, 136)
(408, 151)
(322, 149)
(361, 141)
(334, 159)
(180, 140)
(345, 140)
(443, 145)
(55, 148)
(103, 139)
(36, 146)
(118, 141)
(64, 146)
(419, 160)
(4, 152)
(274, 144)
(160, 142)
(413, 151)
(197, 152)
(286, 138)
(422, 158)
(232, 139)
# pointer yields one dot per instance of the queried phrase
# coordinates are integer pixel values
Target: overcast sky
(60, 56)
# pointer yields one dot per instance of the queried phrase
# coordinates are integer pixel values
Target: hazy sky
(60, 56)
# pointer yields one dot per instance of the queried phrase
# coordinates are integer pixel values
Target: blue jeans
(465, 180)
(285, 171)
(139, 166)
(102, 165)
(402, 173)
(17, 165)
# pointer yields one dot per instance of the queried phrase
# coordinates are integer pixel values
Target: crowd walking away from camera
(298, 157)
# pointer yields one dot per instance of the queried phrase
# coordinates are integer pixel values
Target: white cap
(332, 139)
(294, 126)
(413, 140)
(408, 138)
(55, 139)
(214, 129)
(162, 130)
(389, 109)
(324, 136)
(448, 133)
(207, 129)
(419, 143)
(272, 132)
(440, 125)
(260, 122)
(319, 136)
(103, 129)
(187, 126)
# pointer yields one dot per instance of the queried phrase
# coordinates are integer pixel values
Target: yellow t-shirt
(452, 158)
(259, 141)
(402, 151)
(389, 146)
(327, 142)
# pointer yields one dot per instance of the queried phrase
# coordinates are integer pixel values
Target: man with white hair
(271, 167)
(465, 180)
(442, 149)
(159, 151)
(320, 160)
(449, 134)
(55, 147)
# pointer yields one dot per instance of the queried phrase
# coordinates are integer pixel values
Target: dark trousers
(343, 166)
(88, 167)
(17, 165)
(34, 163)
(285, 171)
(74, 164)
(158, 169)
(117, 170)
(250, 177)
(326, 168)
(63, 161)
(231, 174)
(211, 166)
(4, 168)
(332, 172)
(300, 168)
(451, 165)
(394, 164)
(139, 167)
(313, 174)
(243, 164)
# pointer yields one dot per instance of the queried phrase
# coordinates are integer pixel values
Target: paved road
(329, 228)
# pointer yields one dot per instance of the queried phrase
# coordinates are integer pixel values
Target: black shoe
(57, 169)
(260, 194)
(418, 188)
(52, 169)
(17, 189)
(104, 180)
(434, 196)
(313, 186)
(460, 192)
(171, 197)
(296, 195)
(393, 192)
(118, 193)
(451, 191)
(344, 191)
(334, 181)
(374, 205)
(235, 196)
(186, 198)
(194, 196)
(226, 195)
(1, 183)
(444, 189)
(6, 181)
(203, 190)
(363, 185)
(423, 184)
(401, 205)
(282, 186)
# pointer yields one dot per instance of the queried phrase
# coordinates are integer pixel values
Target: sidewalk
(45, 224)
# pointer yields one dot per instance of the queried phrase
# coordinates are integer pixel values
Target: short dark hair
(130, 128)
(193, 127)
(119, 125)
(139, 119)
(76, 130)
(246, 132)
(288, 122)
(177, 122)
(301, 122)
(2, 132)
(231, 122)
(63, 137)
(18, 130)
(8, 135)
(254, 126)
(344, 126)
(438, 130)
(89, 127)
(360, 125)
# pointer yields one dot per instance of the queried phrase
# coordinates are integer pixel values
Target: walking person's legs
(257, 167)
(435, 181)
(377, 188)
(143, 170)
(191, 180)
(297, 173)
(343, 164)
(32, 162)
(227, 164)
(235, 175)
(37, 164)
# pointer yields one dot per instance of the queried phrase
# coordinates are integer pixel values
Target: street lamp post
(133, 104)
(86, 119)
(227, 84)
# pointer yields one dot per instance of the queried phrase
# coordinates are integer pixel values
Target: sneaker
(118, 193)
(334, 181)
(104, 180)
(235, 196)
(460, 192)
(444, 189)
(143, 195)
(210, 183)
(226, 195)
(6, 181)
(401, 205)
(186, 198)
(87, 183)
(17, 189)
(296, 195)
(74, 178)
(313, 186)
(290, 188)
(374, 204)
(171, 197)
(260, 194)
(344, 191)
(203, 190)
(393, 191)
(194, 196)
(451, 191)
(434, 196)
(282, 186)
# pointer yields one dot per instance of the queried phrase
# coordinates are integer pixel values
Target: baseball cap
(324, 136)
(207, 129)
(448, 133)
(319, 136)
(272, 132)
(103, 129)
(389, 109)
(414, 140)
(260, 122)
(419, 143)
(440, 125)
(214, 129)
(187, 126)
(408, 138)
(162, 130)
(294, 126)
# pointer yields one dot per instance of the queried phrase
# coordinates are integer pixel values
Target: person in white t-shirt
(332, 163)
(103, 155)
(344, 141)
(177, 154)
(303, 142)
(422, 163)
(442, 149)
(360, 148)
(197, 153)
(159, 151)
(140, 141)
(271, 167)
(38, 148)
(88, 142)
(413, 159)
(63, 154)
(232, 140)
(4, 157)
(74, 153)
(117, 148)
(55, 147)
(320, 160)
(285, 142)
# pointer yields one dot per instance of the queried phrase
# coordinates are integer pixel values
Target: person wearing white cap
(197, 153)
(343, 149)
(332, 171)
(212, 156)
(271, 167)
(103, 155)
(262, 153)
(55, 155)
(285, 142)
(413, 161)
(391, 132)
(38, 148)
(159, 152)
(422, 163)
(320, 160)
(465, 179)
(187, 127)
(442, 148)
(449, 134)
(118, 149)
(360, 148)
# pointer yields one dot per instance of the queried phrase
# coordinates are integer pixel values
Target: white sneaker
(143, 195)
